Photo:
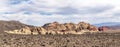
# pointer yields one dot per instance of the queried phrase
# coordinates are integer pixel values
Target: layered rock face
(57, 28)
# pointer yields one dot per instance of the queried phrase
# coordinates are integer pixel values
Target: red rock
(92, 28)
(103, 28)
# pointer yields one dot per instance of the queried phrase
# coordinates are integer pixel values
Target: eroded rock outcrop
(29, 30)
(57, 28)
(70, 28)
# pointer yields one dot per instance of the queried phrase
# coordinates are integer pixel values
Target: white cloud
(39, 12)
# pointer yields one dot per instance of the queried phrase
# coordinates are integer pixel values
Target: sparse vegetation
(103, 39)
(89, 39)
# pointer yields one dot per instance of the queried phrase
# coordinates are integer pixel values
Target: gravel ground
(85, 40)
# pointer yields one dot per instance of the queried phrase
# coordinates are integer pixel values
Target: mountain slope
(11, 25)
(109, 25)
(114, 27)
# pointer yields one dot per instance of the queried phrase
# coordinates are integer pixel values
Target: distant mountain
(11, 25)
(107, 24)
(114, 27)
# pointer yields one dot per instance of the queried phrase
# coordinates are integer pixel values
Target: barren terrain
(102, 39)
(110, 38)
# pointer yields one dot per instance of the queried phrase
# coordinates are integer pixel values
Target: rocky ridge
(57, 28)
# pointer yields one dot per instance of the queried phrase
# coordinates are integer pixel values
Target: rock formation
(57, 28)
(103, 28)
(29, 30)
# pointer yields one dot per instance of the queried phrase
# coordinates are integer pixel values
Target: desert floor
(103, 39)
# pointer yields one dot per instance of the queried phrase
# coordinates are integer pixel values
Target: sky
(39, 12)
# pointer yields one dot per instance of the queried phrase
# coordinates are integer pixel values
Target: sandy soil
(85, 40)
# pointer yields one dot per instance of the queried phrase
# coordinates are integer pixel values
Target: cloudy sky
(39, 12)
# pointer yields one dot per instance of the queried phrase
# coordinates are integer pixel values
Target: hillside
(11, 25)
